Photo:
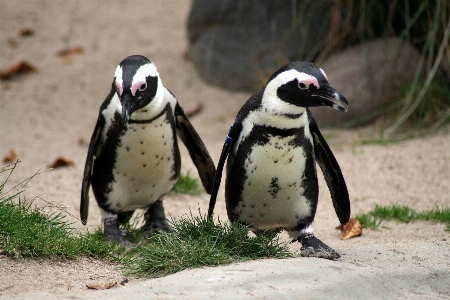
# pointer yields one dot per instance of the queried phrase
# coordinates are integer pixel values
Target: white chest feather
(144, 169)
(273, 193)
(145, 166)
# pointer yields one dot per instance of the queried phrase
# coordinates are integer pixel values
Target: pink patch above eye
(311, 80)
(136, 87)
(119, 88)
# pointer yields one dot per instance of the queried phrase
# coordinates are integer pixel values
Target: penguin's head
(304, 85)
(136, 83)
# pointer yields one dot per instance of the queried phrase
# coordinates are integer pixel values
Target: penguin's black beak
(331, 97)
(127, 107)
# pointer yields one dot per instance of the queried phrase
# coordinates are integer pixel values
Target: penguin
(272, 149)
(133, 159)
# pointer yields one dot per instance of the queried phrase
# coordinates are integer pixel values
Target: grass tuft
(198, 242)
(404, 214)
(187, 184)
(194, 241)
(30, 232)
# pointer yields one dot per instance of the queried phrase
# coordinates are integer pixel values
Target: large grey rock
(370, 76)
(239, 44)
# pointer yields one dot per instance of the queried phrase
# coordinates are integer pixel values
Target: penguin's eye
(302, 85)
(143, 87)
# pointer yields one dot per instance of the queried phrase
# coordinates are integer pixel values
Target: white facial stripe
(119, 81)
(290, 75)
(274, 105)
(323, 72)
(143, 72)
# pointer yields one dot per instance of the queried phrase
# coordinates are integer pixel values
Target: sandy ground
(44, 115)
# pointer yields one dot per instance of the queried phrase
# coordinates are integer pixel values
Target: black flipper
(229, 141)
(84, 203)
(197, 150)
(92, 153)
(253, 103)
(331, 172)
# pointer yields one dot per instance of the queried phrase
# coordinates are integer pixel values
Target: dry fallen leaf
(101, 285)
(351, 229)
(68, 59)
(26, 32)
(70, 51)
(68, 54)
(10, 157)
(62, 162)
(22, 67)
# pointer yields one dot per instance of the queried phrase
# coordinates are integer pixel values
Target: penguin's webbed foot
(155, 220)
(113, 233)
(313, 247)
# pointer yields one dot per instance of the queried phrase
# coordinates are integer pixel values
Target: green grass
(30, 232)
(187, 184)
(198, 242)
(195, 241)
(27, 231)
(404, 214)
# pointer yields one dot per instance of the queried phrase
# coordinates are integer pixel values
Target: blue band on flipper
(229, 140)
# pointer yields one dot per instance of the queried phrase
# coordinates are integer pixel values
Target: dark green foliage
(197, 242)
(423, 24)
(403, 214)
(434, 108)
(356, 21)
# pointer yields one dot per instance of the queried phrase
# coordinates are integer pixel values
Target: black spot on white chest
(274, 169)
(269, 179)
(147, 164)
(146, 145)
